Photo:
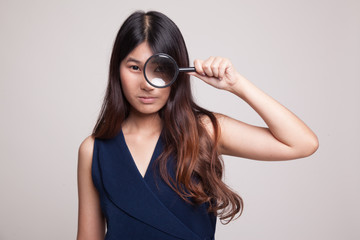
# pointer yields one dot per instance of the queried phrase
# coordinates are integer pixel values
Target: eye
(134, 67)
(159, 69)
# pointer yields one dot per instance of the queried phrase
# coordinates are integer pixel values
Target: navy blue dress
(137, 207)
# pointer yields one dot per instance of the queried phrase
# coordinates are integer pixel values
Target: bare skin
(285, 138)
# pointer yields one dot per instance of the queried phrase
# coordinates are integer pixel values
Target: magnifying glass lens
(160, 71)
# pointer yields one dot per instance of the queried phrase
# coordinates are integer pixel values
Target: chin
(148, 110)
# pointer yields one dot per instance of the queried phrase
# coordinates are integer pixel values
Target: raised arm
(287, 137)
(91, 223)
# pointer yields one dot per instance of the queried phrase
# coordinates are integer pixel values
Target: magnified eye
(159, 69)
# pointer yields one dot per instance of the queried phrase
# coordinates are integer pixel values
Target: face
(143, 97)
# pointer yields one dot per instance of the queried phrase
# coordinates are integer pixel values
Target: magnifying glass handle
(188, 69)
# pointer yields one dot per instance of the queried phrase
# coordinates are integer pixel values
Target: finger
(224, 64)
(198, 66)
(207, 66)
(195, 74)
(209, 80)
(215, 66)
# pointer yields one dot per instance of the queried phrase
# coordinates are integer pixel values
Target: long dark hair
(199, 168)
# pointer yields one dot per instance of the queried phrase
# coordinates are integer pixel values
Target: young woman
(152, 168)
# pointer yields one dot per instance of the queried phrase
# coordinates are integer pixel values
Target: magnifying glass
(161, 70)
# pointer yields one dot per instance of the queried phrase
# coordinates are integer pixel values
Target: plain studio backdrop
(54, 58)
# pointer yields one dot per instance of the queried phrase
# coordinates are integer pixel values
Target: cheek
(125, 82)
(165, 94)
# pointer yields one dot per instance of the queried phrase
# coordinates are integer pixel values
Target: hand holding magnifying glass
(161, 70)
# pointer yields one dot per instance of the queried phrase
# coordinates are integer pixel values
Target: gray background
(54, 59)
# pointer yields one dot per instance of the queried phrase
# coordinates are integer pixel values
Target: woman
(152, 168)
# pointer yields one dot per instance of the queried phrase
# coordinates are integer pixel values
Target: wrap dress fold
(137, 207)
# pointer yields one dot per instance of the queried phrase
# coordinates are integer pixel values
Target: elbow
(309, 147)
(313, 146)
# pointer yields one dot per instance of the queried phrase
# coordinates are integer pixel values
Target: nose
(144, 85)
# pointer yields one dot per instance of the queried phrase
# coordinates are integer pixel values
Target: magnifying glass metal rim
(165, 56)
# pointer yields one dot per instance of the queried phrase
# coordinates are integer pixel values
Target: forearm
(285, 126)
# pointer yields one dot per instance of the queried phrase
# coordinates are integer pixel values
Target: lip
(147, 100)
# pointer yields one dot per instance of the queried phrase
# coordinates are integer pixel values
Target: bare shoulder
(226, 130)
(207, 123)
(86, 151)
(91, 222)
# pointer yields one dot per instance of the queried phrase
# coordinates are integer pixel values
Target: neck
(142, 123)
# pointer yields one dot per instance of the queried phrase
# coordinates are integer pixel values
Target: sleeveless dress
(137, 207)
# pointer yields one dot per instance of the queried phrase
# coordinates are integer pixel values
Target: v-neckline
(131, 157)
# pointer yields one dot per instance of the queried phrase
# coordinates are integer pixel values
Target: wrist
(239, 85)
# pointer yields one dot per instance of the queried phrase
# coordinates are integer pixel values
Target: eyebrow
(130, 59)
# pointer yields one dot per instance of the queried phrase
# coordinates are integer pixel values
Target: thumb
(195, 74)
(209, 80)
